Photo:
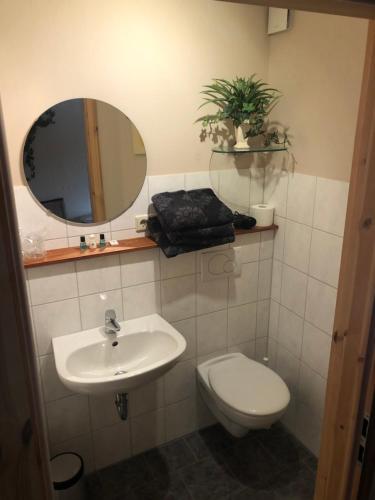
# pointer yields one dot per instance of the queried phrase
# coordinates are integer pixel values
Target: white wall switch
(220, 264)
(140, 223)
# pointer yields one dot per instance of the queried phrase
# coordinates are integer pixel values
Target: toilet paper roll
(263, 213)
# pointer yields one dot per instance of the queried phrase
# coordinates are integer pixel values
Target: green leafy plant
(243, 101)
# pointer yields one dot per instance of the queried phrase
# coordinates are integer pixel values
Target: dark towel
(182, 210)
(156, 232)
(200, 234)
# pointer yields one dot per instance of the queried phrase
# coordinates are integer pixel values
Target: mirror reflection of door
(84, 161)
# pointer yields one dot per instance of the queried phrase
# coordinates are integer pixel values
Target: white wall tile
(246, 348)
(293, 290)
(98, 274)
(56, 243)
(325, 258)
(141, 300)
(278, 244)
(287, 366)
(316, 349)
(272, 347)
(211, 332)
(140, 267)
(33, 218)
(103, 411)
(266, 245)
(320, 305)
(276, 189)
(312, 389)
(197, 180)
(52, 283)
(290, 331)
(242, 323)
(265, 279)
(148, 430)
(261, 349)
(301, 197)
(160, 183)
(53, 320)
(244, 289)
(180, 419)
(178, 298)
(309, 434)
(257, 176)
(277, 274)
(93, 308)
(83, 229)
(263, 315)
(297, 246)
(273, 328)
(187, 328)
(53, 388)
(211, 295)
(111, 444)
(147, 398)
(235, 185)
(67, 417)
(140, 207)
(181, 265)
(179, 382)
(248, 246)
(330, 205)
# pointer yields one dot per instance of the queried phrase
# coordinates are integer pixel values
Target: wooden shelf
(130, 245)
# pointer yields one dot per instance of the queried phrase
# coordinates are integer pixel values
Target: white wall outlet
(140, 223)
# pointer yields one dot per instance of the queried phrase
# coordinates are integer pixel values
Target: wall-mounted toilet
(242, 394)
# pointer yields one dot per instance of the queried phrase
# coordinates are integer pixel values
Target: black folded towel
(182, 210)
(155, 231)
(200, 234)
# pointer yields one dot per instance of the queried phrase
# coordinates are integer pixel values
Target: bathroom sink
(95, 362)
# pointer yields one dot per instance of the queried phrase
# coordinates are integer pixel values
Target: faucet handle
(110, 314)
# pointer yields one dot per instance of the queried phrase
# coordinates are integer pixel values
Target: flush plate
(219, 264)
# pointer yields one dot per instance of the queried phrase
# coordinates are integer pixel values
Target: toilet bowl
(241, 393)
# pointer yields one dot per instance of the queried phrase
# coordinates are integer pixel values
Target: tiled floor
(212, 465)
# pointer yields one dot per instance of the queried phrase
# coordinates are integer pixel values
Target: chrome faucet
(111, 323)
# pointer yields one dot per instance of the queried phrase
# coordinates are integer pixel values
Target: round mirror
(84, 160)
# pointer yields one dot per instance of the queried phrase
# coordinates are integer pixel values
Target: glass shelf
(260, 149)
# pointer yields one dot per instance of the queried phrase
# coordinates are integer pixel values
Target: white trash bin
(67, 475)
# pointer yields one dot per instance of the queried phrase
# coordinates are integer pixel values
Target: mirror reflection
(84, 160)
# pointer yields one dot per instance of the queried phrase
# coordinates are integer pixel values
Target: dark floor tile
(283, 446)
(252, 464)
(93, 487)
(312, 462)
(124, 477)
(208, 480)
(166, 489)
(167, 459)
(253, 494)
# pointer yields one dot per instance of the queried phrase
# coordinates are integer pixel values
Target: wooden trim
(349, 353)
(130, 245)
(364, 9)
(24, 463)
(94, 167)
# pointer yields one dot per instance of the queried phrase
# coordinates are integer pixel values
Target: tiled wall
(215, 317)
(311, 215)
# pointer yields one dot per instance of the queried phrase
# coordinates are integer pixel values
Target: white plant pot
(240, 135)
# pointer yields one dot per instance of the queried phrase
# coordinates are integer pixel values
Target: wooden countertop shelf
(60, 255)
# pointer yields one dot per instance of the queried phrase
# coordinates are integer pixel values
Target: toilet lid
(249, 387)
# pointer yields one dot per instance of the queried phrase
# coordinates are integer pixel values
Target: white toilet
(242, 394)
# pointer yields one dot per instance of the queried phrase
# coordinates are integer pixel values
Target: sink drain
(120, 372)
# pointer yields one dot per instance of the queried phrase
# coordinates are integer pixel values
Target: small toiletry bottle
(102, 242)
(82, 244)
(92, 242)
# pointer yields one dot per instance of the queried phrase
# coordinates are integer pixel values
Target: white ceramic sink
(87, 362)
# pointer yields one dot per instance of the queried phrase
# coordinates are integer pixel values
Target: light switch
(220, 263)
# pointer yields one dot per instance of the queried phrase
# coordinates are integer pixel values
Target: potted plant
(246, 102)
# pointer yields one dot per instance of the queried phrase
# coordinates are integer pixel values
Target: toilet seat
(248, 387)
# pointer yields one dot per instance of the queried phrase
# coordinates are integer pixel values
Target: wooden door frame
(24, 463)
(94, 164)
(338, 475)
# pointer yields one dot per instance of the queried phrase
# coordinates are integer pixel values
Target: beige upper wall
(148, 58)
(318, 67)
